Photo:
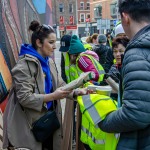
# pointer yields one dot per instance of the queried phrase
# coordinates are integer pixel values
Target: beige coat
(16, 126)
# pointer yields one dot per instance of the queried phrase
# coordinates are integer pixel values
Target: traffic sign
(87, 29)
(115, 22)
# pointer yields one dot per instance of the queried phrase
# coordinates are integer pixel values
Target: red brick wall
(85, 11)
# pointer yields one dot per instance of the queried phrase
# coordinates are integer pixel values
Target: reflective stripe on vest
(97, 65)
(91, 110)
(90, 106)
(95, 108)
(67, 64)
(92, 137)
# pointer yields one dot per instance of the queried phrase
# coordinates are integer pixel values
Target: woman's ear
(38, 43)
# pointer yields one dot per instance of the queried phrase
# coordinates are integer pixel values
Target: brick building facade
(109, 15)
(64, 16)
(104, 24)
(83, 16)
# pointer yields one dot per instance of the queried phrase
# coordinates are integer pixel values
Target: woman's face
(48, 46)
(118, 51)
(73, 58)
(95, 41)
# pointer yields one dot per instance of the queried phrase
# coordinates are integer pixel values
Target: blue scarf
(28, 49)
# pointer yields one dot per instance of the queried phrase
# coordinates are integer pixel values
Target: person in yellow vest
(85, 61)
(68, 70)
(87, 46)
(88, 43)
(65, 60)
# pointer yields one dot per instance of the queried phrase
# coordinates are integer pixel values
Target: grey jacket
(132, 120)
(16, 125)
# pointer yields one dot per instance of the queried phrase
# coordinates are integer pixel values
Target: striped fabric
(83, 62)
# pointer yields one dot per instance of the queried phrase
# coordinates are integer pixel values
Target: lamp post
(98, 16)
(117, 11)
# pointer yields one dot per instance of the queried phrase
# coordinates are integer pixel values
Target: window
(82, 17)
(113, 9)
(88, 5)
(98, 11)
(61, 7)
(87, 15)
(81, 5)
(70, 8)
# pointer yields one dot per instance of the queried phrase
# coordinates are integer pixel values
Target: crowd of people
(120, 121)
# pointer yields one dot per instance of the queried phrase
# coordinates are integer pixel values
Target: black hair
(39, 32)
(120, 40)
(138, 10)
(108, 33)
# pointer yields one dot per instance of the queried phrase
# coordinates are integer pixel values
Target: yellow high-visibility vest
(97, 65)
(94, 108)
(73, 72)
(67, 65)
(87, 46)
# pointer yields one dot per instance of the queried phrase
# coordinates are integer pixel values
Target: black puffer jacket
(133, 119)
(105, 56)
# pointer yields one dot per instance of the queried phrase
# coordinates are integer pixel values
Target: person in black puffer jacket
(132, 120)
(118, 45)
(104, 52)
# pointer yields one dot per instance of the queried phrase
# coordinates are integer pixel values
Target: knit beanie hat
(119, 29)
(102, 38)
(76, 46)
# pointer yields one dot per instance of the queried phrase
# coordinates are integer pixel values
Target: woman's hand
(60, 94)
(83, 91)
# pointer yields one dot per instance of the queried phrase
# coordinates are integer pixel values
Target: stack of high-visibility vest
(94, 108)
